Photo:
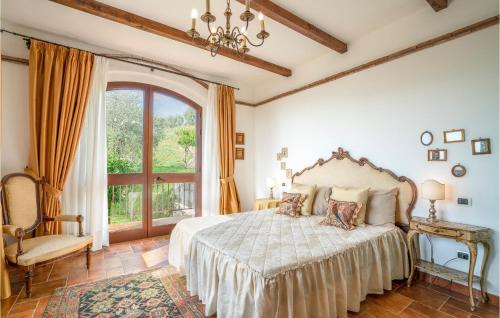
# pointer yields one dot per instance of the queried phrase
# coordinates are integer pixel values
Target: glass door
(154, 160)
(175, 177)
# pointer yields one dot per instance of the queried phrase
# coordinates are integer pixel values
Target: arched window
(154, 160)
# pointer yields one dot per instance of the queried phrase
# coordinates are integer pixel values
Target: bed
(261, 264)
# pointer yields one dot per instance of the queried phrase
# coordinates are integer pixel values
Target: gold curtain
(226, 119)
(59, 83)
(5, 291)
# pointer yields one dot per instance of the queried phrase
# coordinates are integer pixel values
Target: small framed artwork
(458, 170)
(279, 156)
(284, 152)
(240, 153)
(437, 155)
(454, 135)
(481, 146)
(283, 166)
(426, 138)
(289, 173)
(240, 138)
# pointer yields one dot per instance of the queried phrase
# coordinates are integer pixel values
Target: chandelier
(232, 38)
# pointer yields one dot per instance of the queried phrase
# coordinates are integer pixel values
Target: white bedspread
(183, 232)
(260, 264)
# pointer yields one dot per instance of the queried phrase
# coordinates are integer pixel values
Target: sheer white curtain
(85, 191)
(210, 171)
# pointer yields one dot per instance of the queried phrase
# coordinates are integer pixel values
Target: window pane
(173, 202)
(125, 130)
(124, 207)
(174, 135)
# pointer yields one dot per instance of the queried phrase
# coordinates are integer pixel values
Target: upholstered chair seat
(24, 210)
(44, 248)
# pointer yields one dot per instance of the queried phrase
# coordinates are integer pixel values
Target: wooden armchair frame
(41, 218)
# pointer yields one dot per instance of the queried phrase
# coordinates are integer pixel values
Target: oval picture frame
(426, 138)
(458, 170)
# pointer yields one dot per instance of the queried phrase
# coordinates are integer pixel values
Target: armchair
(23, 212)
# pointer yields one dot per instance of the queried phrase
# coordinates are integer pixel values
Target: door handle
(160, 179)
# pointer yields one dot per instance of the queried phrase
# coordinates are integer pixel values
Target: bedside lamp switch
(464, 201)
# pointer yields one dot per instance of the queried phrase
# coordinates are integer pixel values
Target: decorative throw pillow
(320, 204)
(381, 207)
(291, 203)
(342, 214)
(307, 190)
(359, 195)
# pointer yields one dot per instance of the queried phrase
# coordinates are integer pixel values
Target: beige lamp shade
(270, 182)
(432, 190)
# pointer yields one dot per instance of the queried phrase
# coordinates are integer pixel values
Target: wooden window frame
(147, 177)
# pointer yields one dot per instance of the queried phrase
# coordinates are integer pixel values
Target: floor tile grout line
(36, 307)
(444, 302)
(50, 273)
(411, 302)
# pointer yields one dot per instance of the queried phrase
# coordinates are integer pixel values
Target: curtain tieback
(226, 180)
(53, 191)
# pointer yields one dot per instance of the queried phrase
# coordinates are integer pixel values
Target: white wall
(380, 113)
(245, 169)
(15, 126)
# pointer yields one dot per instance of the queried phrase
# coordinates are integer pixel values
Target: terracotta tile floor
(420, 300)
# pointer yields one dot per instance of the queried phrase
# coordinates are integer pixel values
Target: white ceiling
(347, 20)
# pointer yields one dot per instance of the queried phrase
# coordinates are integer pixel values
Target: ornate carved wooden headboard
(344, 171)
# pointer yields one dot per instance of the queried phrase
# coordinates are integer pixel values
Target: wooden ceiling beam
(288, 19)
(130, 19)
(438, 5)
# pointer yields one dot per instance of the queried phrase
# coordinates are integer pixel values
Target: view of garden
(174, 149)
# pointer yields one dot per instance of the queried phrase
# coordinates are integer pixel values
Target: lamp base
(432, 213)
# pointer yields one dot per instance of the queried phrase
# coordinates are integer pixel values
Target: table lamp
(270, 184)
(432, 190)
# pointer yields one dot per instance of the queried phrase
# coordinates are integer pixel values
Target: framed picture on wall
(240, 153)
(240, 138)
(481, 146)
(454, 135)
(437, 155)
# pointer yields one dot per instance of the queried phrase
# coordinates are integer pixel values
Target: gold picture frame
(481, 146)
(284, 152)
(240, 153)
(283, 166)
(279, 156)
(437, 154)
(454, 135)
(240, 138)
(458, 170)
(289, 173)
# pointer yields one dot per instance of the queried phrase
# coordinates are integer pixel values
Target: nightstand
(265, 203)
(467, 234)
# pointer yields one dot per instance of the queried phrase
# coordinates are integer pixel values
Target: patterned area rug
(153, 294)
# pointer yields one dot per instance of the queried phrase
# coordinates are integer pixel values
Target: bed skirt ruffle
(326, 288)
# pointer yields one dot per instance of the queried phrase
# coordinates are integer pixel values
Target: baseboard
(453, 286)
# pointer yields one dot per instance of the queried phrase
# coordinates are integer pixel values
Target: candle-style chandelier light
(233, 38)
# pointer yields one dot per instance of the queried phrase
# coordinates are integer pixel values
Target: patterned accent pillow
(291, 204)
(342, 214)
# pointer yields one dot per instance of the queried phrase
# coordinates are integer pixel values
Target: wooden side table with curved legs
(467, 234)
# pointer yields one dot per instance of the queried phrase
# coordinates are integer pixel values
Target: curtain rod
(27, 38)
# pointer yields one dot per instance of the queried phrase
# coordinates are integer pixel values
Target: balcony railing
(171, 202)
